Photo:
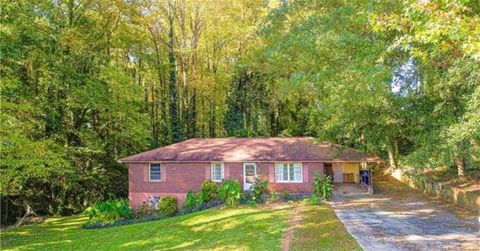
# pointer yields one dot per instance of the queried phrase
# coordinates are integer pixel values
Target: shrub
(145, 210)
(322, 186)
(252, 203)
(230, 192)
(258, 189)
(273, 196)
(192, 201)
(167, 205)
(208, 191)
(286, 194)
(200, 207)
(315, 200)
(108, 211)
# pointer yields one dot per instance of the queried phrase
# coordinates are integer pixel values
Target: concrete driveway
(397, 217)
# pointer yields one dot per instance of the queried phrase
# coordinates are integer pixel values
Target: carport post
(370, 185)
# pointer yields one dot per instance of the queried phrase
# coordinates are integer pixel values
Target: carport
(350, 178)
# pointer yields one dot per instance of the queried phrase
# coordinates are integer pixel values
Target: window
(154, 172)
(217, 172)
(153, 202)
(288, 172)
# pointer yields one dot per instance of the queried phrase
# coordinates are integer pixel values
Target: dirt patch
(289, 233)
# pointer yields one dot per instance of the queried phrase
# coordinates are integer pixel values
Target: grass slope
(320, 229)
(241, 228)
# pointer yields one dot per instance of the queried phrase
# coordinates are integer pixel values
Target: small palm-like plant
(230, 192)
(322, 186)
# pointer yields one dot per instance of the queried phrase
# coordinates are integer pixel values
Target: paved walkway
(400, 218)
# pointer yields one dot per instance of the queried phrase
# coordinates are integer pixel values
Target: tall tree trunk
(183, 57)
(153, 115)
(392, 154)
(212, 121)
(461, 167)
(173, 90)
(192, 115)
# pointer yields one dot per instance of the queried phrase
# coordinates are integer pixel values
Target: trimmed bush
(322, 186)
(167, 205)
(230, 192)
(109, 211)
(208, 191)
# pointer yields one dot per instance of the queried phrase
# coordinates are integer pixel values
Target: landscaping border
(129, 221)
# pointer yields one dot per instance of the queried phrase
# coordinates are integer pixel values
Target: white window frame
(150, 172)
(212, 168)
(295, 164)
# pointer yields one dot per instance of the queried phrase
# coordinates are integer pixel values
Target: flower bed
(112, 213)
(129, 221)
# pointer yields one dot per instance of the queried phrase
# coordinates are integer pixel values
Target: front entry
(249, 174)
(328, 170)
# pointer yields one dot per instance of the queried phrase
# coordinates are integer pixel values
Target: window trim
(288, 175)
(212, 166)
(150, 172)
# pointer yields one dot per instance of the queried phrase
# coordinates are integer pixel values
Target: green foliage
(208, 191)
(258, 190)
(286, 194)
(442, 112)
(322, 186)
(108, 211)
(69, 109)
(274, 196)
(167, 205)
(27, 170)
(192, 201)
(252, 203)
(145, 210)
(244, 102)
(315, 200)
(230, 192)
(83, 84)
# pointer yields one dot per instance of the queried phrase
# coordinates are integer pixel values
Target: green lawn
(320, 229)
(242, 228)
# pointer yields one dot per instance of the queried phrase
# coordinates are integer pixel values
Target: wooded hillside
(84, 82)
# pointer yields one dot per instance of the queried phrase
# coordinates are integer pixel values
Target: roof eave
(123, 161)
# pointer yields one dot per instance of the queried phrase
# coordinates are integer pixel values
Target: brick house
(287, 164)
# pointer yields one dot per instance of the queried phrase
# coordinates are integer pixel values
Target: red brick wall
(179, 178)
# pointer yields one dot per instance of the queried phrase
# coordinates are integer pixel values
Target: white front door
(249, 174)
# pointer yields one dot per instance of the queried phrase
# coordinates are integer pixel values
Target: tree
(175, 123)
(441, 37)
